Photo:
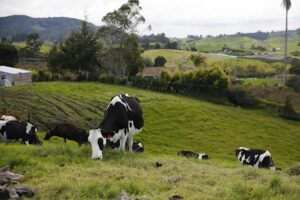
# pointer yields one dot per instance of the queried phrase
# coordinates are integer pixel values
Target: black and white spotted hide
(123, 119)
(190, 154)
(15, 130)
(255, 157)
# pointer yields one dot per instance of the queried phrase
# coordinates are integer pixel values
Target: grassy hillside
(177, 58)
(45, 48)
(172, 123)
(215, 44)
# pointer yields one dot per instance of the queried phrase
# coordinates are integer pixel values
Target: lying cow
(137, 146)
(15, 130)
(255, 157)
(123, 119)
(70, 132)
(101, 142)
(8, 118)
(190, 154)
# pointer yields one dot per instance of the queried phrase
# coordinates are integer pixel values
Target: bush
(165, 75)
(44, 76)
(294, 170)
(239, 96)
(160, 61)
(121, 81)
(288, 110)
(294, 82)
(107, 78)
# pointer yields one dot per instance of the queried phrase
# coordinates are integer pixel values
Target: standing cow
(15, 130)
(255, 157)
(123, 119)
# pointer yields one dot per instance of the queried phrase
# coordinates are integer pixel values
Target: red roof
(152, 71)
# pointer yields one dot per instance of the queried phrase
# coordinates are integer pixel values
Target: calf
(14, 130)
(255, 157)
(190, 154)
(70, 132)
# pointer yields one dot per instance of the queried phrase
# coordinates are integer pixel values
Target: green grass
(245, 43)
(45, 48)
(262, 81)
(177, 58)
(172, 123)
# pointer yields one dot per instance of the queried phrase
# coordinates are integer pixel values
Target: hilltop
(50, 28)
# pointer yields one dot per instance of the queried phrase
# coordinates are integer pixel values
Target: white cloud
(174, 17)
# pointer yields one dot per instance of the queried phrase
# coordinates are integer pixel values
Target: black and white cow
(15, 130)
(190, 154)
(255, 157)
(123, 119)
(68, 131)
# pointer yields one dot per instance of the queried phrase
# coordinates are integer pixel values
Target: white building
(14, 75)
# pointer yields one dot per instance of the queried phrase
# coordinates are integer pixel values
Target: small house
(15, 76)
(152, 72)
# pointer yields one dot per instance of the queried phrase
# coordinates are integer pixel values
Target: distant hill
(51, 29)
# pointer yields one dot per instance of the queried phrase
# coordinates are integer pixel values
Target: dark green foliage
(165, 75)
(193, 49)
(239, 96)
(294, 82)
(258, 47)
(198, 59)
(8, 55)
(171, 45)
(295, 66)
(107, 78)
(289, 111)
(148, 62)
(157, 46)
(160, 61)
(159, 38)
(78, 52)
(295, 53)
(45, 76)
(132, 55)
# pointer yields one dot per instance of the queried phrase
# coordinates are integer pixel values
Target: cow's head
(48, 135)
(239, 150)
(97, 142)
(32, 134)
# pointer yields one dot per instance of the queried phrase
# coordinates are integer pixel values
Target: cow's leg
(130, 142)
(123, 142)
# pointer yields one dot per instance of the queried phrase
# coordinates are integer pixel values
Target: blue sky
(176, 18)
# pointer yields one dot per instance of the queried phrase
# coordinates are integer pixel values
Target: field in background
(245, 43)
(172, 123)
(45, 48)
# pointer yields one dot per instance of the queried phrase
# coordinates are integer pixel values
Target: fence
(31, 61)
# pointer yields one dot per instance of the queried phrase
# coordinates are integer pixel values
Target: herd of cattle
(123, 119)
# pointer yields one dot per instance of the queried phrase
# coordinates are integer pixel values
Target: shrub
(107, 78)
(239, 96)
(288, 110)
(294, 170)
(121, 81)
(160, 61)
(165, 75)
(294, 82)
(176, 78)
(187, 77)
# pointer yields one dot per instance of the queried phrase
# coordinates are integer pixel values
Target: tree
(33, 44)
(198, 59)
(125, 19)
(160, 61)
(79, 52)
(8, 55)
(287, 5)
(171, 45)
(132, 55)
(157, 46)
(295, 66)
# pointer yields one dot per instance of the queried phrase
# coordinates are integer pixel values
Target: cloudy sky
(176, 18)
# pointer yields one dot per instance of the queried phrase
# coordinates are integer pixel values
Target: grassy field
(45, 48)
(215, 44)
(233, 66)
(176, 58)
(172, 123)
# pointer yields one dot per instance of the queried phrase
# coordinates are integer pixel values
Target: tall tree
(33, 43)
(286, 5)
(126, 19)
